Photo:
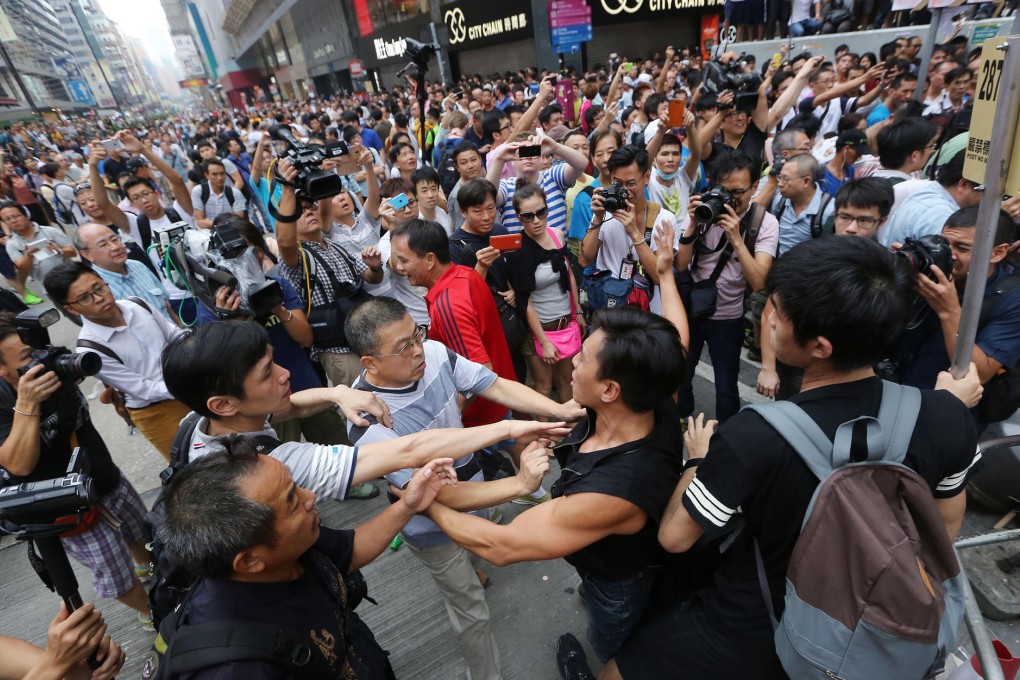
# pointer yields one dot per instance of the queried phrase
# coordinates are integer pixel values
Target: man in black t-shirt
(236, 519)
(835, 301)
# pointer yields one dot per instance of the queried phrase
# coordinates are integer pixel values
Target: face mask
(665, 176)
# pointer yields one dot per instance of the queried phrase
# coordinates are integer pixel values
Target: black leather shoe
(570, 659)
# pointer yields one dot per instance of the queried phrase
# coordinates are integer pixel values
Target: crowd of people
(498, 280)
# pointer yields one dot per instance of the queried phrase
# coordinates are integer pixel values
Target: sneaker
(531, 500)
(748, 338)
(570, 659)
(496, 516)
(31, 299)
(754, 354)
(146, 622)
(363, 491)
(143, 572)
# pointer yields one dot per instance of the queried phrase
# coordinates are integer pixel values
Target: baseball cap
(853, 138)
(558, 132)
(135, 164)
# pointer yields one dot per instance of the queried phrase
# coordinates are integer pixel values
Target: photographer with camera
(735, 127)
(624, 244)
(43, 417)
(930, 340)
(329, 279)
(728, 247)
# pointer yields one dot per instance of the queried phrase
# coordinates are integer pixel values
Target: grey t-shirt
(45, 259)
(326, 470)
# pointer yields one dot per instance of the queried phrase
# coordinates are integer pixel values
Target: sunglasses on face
(528, 217)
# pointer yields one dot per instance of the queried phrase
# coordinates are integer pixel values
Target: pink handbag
(567, 341)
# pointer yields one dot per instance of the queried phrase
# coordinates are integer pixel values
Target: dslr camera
(713, 205)
(922, 253)
(614, 197)
(209, 259)
(313, 183)
(719, 77)
(69, 366)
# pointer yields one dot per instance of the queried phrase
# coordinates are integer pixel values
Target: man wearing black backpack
(836, 301)
(213, 196)
(270, 576)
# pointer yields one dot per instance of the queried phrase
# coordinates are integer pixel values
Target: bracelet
(22, 413)
(638, 243)
(691, 464)
(593, 226)
(289, 318)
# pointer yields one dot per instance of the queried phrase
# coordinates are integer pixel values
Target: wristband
(688, 240)
(691, 464)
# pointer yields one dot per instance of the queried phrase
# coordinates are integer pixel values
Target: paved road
(531, 604)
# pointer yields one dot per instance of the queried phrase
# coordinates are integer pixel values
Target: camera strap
(330, 274)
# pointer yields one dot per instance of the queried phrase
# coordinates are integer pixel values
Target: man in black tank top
(619, 467)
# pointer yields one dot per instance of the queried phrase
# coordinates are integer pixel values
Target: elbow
(672, 542)
(583, 259)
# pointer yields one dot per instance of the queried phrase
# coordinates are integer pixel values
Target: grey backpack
(873, 588)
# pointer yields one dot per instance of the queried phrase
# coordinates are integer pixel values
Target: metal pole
(445, 73)
(988, 539)
(1003, 133)
(990, 666)
(927, 47)
(17, 78)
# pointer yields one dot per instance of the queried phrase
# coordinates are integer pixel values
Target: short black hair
(135, 181)
(210, 163)
(397, 148)
(213, 359)
(424, 174)
(897, 141)
(546, 114)
(651, 104)
(951, 172)
(424, 237)
(464, 146)
(626, 156)
(851, 291)
(62, 277)
(474, 192)
(641, 352)
(731, 162)
(866, 192)
(365, 321)
(49, 169)
(350, 116)
(966, 218)
(493, 121)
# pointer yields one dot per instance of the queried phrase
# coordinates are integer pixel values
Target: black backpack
(228, 192)
(447, 169)
(818, 228)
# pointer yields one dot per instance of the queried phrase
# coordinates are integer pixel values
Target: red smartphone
(506, 242)
(677, 109)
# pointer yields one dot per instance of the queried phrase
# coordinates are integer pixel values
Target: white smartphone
(113, 144)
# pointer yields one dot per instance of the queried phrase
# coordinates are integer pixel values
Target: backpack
(817, 226)
(206, 192)
(873, 588)
(447, 168)
(64, 213)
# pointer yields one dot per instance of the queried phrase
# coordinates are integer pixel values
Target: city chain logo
(387, 49)
(455, 20)
(615, 7)
(460, 31)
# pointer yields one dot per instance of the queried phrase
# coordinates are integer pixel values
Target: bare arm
(112, 212)
(527, 121)
(789, 97)
(19, 454)
(177, 185)
(660, 85)
(547, 531)
(286, 231)
(519, 397)
(952, 511)
(672, 306)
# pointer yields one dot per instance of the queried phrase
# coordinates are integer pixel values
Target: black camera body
(614, 197)
(69, 366)
(713, 205)
(719, 77)
(312, 183)
(39, 503)
(926, 251)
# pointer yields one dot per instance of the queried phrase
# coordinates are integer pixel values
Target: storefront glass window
(374, 14)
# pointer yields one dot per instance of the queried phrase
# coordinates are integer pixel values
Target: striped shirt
(138, 282)
(554, 183)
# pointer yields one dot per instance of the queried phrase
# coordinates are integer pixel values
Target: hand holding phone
(529, 151)
(506, 242)
(113, 144)
(677, 109)
(398, 202)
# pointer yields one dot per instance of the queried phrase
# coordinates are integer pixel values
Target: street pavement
(531, 604)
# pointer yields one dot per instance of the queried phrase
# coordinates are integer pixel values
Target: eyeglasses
(108, 243)
(783, 180)
(738, 194)
(142, 195)
(306, 206)
(78, 188)
(88, 299)
(412, 203)
(528, 217)
(866, 222)
(405, 352)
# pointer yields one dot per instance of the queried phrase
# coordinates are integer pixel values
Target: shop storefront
(488, 37)
(640, 27)
(382, 51)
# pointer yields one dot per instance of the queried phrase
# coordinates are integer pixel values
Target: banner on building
(194, 82)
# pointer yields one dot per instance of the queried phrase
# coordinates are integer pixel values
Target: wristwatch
(688, 240)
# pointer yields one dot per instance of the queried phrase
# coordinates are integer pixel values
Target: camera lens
(77, 365)
(707, 211)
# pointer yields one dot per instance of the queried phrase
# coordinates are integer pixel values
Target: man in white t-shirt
(624, 244)
(670, 184)
(428, 192)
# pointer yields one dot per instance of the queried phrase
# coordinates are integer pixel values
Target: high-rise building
(42, 56)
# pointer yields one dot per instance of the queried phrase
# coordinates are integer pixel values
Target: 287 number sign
(991, 76)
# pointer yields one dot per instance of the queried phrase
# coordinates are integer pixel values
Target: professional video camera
(70, 367)
(313, 183)
(719, 77)
(614, 197)
(926, 251)
(204, 260)
(713, 203)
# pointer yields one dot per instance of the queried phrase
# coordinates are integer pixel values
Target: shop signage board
(991, 83)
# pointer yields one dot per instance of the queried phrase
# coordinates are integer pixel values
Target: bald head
(101, 246)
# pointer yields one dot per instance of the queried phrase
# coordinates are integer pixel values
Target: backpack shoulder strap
(897, 415)
(757, 216)
(205, 192)
(141, 303)
(181, 446)
(800, 432)
(781, 208)
(228, 193)
(198, 646)
(590, 190)
(816, 219)
(102, 349)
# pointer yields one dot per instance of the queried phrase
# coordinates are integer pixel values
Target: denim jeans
(614, 609)
(808, 26)
(725, 340)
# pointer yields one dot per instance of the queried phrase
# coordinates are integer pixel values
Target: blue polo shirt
(370, 138)
(794, 228)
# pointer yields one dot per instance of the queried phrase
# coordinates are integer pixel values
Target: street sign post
(79, 91)
(570, 25)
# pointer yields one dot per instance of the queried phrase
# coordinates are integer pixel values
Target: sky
(142, 19)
